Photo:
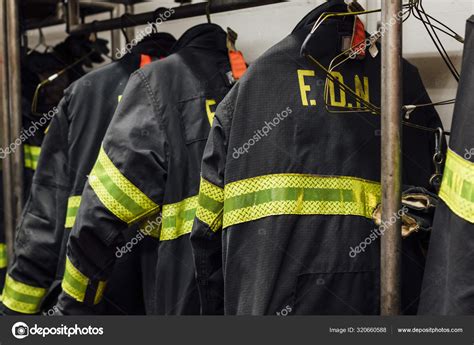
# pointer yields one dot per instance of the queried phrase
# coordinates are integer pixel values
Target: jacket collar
(327, 40)
(330, 6)
(205, 36)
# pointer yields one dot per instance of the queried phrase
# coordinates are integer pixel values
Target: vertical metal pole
(130, 9)
(72, 14)
(6, 159)
(115, 39)
(14, 77)
(391, 156)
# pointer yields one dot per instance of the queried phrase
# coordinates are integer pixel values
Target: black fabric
(302, 263)
(156, 140)
(448, 285)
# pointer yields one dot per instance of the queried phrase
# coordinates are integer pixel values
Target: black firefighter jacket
(34, 68)
(69, 153)
(148, 168)
(288, 188)
(448, 285)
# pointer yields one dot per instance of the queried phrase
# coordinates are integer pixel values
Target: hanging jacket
(448, 284)
(148, 171)
(69, 152)
(288, 188)
(36, 67)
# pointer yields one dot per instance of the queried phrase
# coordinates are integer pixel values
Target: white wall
(260, 28)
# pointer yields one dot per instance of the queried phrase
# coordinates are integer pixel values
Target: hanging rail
(181, 12)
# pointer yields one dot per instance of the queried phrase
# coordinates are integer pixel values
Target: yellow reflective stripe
(117, 193)
(151, 226)
(100, 292)
(74, 282)
(298, 194)
(211, 203)
(209, 112)
(178, 218)
(32, 154)
(3, 255)
(21, 297)
(457, 188)
(73, 204)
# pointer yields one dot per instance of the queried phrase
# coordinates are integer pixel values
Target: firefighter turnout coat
(448, 285)
(148, 170)
(69, 152)
(284, 220)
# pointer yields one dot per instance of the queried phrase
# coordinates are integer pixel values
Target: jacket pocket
(196, 117)
(341, 293)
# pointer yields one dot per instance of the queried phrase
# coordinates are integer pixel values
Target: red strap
(237, 63)
(144, 60)
(358, 38)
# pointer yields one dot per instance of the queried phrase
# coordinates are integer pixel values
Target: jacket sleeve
(39, 233)
(206, 236)
(125, 186)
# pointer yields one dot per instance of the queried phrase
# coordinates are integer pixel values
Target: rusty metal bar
(391, 157)
(6, 159)
(186, 11)
(14, 79)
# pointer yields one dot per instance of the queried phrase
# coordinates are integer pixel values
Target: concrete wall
(260, 28)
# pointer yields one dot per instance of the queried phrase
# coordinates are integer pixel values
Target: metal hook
(208, 11)
(124, 31)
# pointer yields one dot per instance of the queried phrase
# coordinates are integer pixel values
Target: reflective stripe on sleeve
(21, 297)
(32, 154)
(457, 188)
(3, 255)
(210, 204)
(297, 194)
(73, 204)
(76, 284)
(120, 196)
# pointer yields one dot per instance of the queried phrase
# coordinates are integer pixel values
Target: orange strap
(358, 38)
(237, 63)
(144, 60)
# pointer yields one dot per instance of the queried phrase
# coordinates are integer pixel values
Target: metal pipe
(73, 14)
(115, 39)
(181, 12)
(391, 157)
(14, 77)
(6, 160)
(130, 10)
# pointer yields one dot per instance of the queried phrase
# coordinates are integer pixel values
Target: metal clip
(438, 160)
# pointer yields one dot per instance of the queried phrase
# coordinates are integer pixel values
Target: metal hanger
(41, 42)
(208, 12)
(366, 106)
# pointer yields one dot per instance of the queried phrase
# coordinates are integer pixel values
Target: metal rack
(10, 105)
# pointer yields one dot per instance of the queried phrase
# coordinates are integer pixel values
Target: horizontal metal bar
(86, 9)
(181, 12)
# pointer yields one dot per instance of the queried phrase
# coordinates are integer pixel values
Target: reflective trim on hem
(298, 194)
(21, 297)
